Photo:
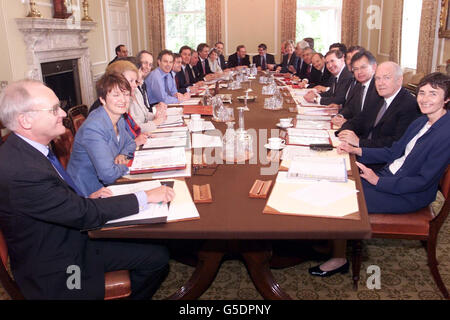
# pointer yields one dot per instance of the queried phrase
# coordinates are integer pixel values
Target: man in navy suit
(382, 123)
(264, 60)
(239, 59)
(222, 62)
(42, 212)
(363, 94)
(186, 79)
(202, 69)
(320, 76)
(340, 81)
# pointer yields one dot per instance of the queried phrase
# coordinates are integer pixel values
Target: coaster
(260, 189)
(202, 194)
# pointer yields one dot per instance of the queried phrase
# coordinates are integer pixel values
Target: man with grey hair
(42, 211)
(300, 47)
(379, 125)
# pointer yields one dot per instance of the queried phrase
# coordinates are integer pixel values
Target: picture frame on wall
(444, 21)
(62, 9)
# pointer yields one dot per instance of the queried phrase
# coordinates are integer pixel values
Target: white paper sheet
(322, 193)
(206, 141)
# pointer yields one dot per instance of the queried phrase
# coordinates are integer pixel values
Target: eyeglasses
(54, 109)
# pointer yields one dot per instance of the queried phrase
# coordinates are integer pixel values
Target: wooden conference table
(234, 223)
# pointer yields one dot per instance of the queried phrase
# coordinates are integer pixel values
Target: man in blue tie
(161, 86)
(41, 214)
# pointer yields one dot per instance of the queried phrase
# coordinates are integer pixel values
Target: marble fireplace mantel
(49, 40)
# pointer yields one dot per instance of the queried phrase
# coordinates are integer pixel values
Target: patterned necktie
(186, 75)
(203, 66)
(263, 63)
(143, 90)
(334, 85)
(308, 70)
(57, 165)
(363, 88)
(380, 113)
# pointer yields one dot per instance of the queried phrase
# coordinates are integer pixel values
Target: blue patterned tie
(55, 162)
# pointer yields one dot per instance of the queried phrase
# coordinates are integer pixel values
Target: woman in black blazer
(288, 59)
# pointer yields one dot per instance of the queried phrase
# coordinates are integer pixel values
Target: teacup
(285, 122)
(276, 143)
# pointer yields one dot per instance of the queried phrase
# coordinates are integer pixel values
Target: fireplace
(63, 78)
(58, 55)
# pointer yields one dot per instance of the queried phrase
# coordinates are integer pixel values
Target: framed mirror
(444, 21)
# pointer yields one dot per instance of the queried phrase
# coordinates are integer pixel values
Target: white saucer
(283, 127)
(280, 148)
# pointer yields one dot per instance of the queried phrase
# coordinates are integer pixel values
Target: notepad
(311, 124)
(316, 168)
(298, 132)
(155, 212)
(165, 142)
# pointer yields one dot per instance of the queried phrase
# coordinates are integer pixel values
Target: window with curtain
(412, 12)
(185, 23)
(320, 20)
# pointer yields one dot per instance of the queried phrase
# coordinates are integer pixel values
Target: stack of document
(317, 168)
(312, 117)
(312, 124)
(172, 121)
(317, 111)
(307, 137)
(192, 101)
(168, 139)
(158, 160)
(174, 111)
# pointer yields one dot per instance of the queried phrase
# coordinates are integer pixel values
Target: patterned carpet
(404, 275)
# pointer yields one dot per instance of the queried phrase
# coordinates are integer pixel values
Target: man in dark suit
(121, 52)
(239, 59)
(42, 213)
(145, 64)
(363, 94)
(264, 60)
(320, 76)
(304, 72)
(297, 67)
(379, 125)
(340, 81)
(185, 78)
(202, 69)
(222, 62)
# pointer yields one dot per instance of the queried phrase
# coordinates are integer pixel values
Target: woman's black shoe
(316, 271)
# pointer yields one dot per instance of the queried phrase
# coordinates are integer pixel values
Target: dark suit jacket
(198, 69)
(352, 105)
(223, 63)
(320, 79)
(293, 61)
(337, 95)
(233, 61)
(302, 69)
(41, 218)
(270, 59)
(402, 111)
(181, 79)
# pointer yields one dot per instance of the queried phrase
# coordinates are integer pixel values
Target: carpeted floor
(404, 276)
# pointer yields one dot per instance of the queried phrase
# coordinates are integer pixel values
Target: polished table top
(232, 214)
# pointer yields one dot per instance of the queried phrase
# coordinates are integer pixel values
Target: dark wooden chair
(62, 145)
(423, 225)
(77, 114)
(117, 283)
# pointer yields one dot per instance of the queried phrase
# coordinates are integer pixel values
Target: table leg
(257, 256)
(209, 260)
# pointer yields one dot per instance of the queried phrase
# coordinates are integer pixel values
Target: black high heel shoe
(316, 271)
